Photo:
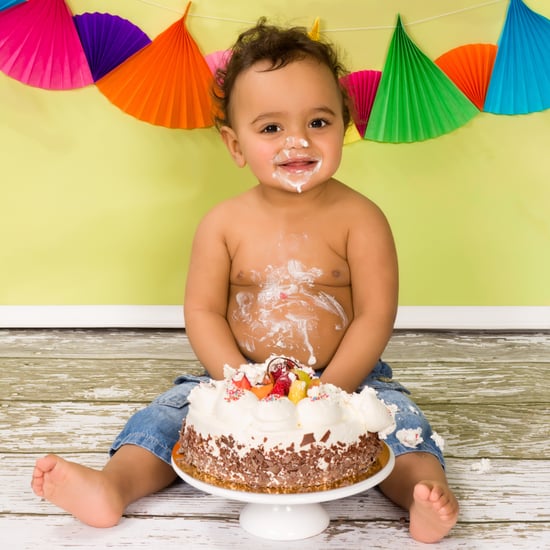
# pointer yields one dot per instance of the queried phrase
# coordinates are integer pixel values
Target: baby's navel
(336, 273)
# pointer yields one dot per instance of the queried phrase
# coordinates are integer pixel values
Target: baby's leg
(100, 497)
(418, 484)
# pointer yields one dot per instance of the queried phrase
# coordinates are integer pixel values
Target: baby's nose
(292, 142)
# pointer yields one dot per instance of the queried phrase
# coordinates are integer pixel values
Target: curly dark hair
(279, 46)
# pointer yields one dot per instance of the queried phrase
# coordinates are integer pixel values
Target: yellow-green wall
(97, 207)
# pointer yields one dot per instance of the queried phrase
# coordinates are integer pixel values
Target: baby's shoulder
(222, 216)
(353, 202)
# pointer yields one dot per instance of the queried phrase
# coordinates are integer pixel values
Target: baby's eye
(318, 123)
(270, 129)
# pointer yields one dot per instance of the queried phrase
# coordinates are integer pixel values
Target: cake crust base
(379, 462)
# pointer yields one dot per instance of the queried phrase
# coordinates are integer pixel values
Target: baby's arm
(374, 284)
(206, 293)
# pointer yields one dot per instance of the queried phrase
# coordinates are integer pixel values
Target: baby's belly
(307, 326)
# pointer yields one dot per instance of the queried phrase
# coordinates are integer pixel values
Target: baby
(299, 265)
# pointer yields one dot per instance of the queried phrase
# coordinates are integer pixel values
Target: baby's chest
(291, 257)
(292, 271)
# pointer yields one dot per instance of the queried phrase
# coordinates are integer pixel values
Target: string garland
(414, 98)
(329, 30)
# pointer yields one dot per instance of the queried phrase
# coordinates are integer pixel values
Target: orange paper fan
(470, 68)
(166, 83)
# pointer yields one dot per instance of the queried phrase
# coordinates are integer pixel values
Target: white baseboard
(474, 317)
(91, 317)
(408, 317)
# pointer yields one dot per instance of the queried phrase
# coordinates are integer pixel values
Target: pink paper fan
(362, 87)
(39, 46)
(217, 60)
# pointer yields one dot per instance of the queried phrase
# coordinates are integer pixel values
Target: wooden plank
(130, 380)
(508, 430)
(97, 343)
(511, 490)
(70, 391)
(90, 379)
(173, 344)
(29, 533)
(468, 346)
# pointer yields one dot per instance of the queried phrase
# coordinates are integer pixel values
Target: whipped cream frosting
(327, 415)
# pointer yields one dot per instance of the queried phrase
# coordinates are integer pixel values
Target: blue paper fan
(108, 40)
(520, 81)
(5, 4)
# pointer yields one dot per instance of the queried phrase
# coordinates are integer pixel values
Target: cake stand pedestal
(288, 516)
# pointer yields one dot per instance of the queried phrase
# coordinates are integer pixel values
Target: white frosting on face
(327, 413)
(294, 166)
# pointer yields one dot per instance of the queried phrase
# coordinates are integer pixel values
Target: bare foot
(82, 491)
(433, 513)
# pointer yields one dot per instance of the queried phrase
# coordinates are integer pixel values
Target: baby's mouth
(295, 163)
(295, 169)
(298, 166)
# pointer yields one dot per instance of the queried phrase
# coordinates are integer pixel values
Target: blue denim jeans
(156, 427)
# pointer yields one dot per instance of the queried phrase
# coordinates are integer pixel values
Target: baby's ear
(233, 146)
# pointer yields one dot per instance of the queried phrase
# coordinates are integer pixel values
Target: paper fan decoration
(108, 40)
(166, 83)
(5, 4)
(361, 87)
(352, 135)
(217, 60)
(315, 31)
(520, 82)
(415, 99)
(39, 46)
(470, 68)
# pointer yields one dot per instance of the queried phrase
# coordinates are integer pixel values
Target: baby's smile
(293, 166)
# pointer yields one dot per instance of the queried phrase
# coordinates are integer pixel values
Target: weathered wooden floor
(70, 391)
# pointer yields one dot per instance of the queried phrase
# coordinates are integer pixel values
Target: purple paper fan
(108, 40)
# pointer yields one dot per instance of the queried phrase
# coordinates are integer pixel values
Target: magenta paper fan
(39, 46)
(217, 60)
(362, 87)
(5, 4)
(108, 40)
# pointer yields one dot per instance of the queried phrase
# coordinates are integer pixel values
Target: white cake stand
(287, 516)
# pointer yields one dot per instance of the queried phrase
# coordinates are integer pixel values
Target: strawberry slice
(243, 383)
(282, 385)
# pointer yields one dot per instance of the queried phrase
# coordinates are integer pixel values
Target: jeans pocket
(178, 396)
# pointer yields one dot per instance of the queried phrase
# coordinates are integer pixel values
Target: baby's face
(287, 124)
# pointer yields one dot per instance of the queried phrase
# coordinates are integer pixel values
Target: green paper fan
(416, 100)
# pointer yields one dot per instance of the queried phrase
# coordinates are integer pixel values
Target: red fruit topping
(280, 365)
(242, 382)
(282, 384)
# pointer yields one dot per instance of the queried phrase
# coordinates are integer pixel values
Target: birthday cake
(275, 428)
